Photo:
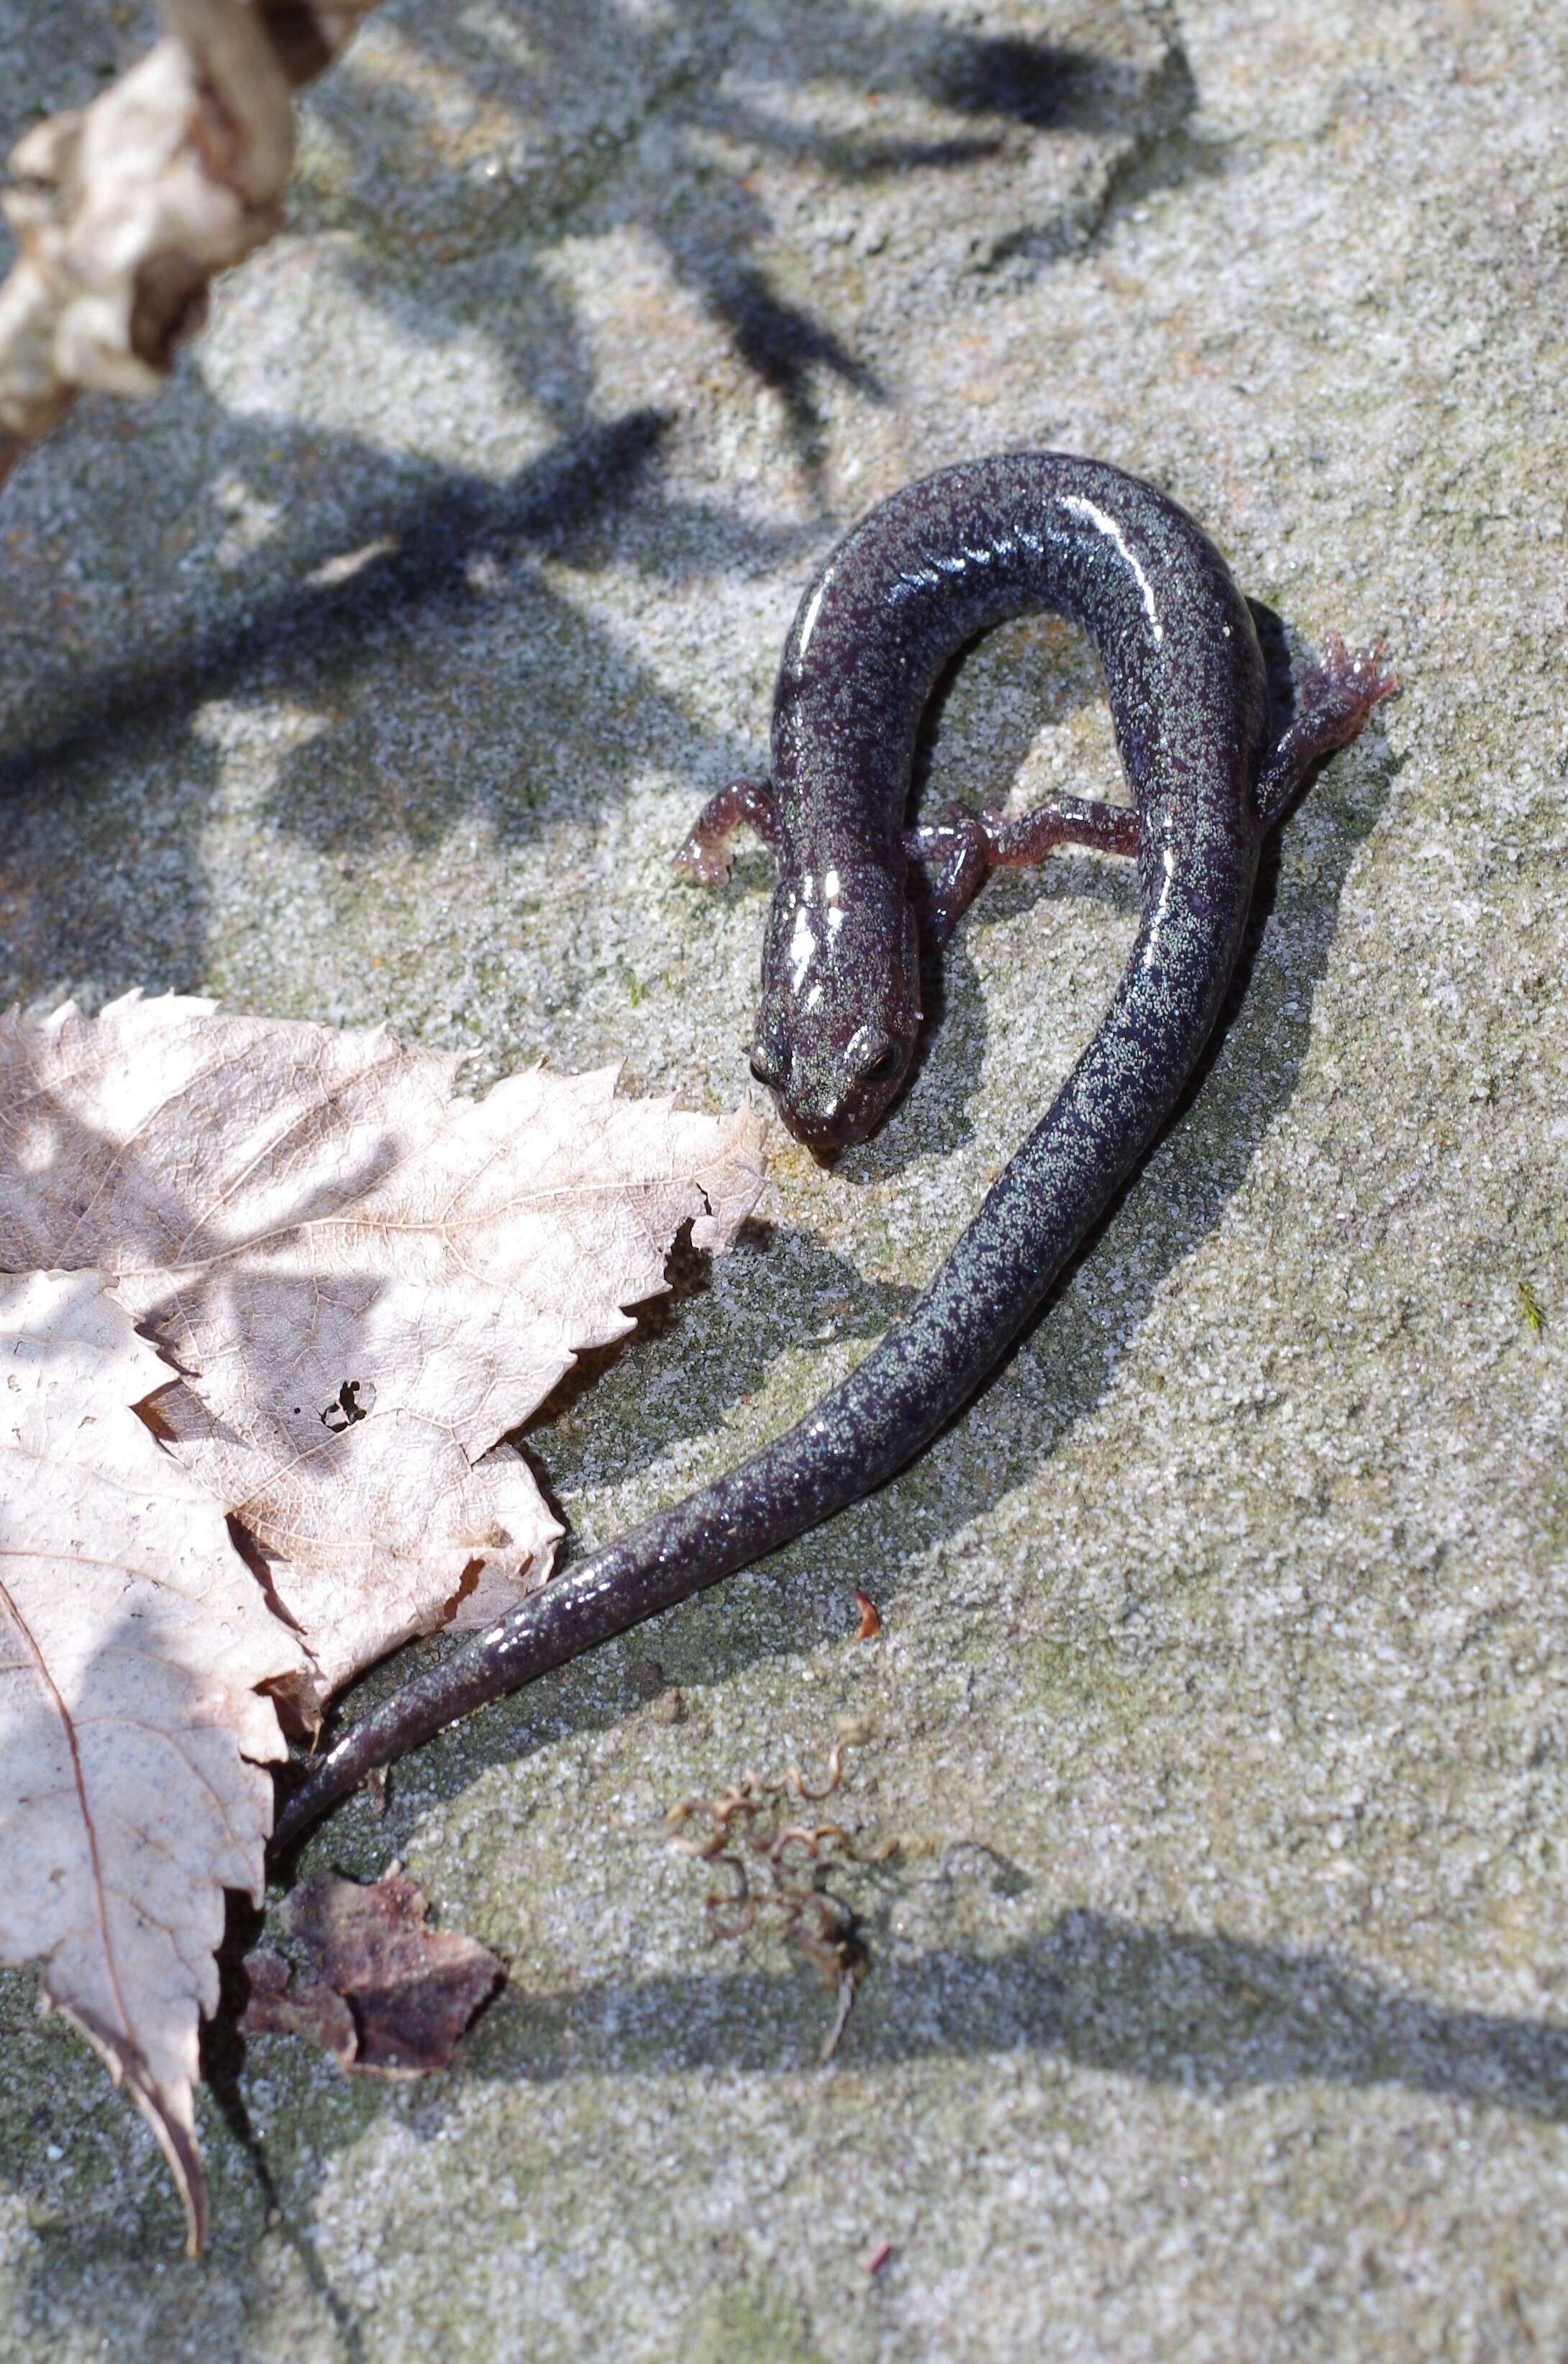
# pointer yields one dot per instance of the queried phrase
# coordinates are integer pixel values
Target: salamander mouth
(826, 1137)
(827, 1133)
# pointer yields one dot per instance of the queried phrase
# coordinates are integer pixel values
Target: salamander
(839, 1014)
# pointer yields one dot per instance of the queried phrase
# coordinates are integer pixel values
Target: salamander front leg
(705, 855)
(1333, 700)
(955, 856)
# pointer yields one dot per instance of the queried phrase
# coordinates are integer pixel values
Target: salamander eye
(766, 1070)
(870, 1056)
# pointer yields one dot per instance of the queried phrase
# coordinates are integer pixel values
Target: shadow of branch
(421, 551)
(1210, 2014)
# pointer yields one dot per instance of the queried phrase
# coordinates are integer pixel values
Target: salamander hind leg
(705, 855)
(1333, 700)
(1066, 821)
(956, 855)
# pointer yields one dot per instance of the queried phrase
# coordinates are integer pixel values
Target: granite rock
(1217, 1998)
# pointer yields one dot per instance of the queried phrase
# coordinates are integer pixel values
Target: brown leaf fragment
(405, 1992)
(366, 1280)
(132, 1736)
(280, 2005)
(870, 1625)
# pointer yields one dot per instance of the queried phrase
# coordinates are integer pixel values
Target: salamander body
(840, 1012)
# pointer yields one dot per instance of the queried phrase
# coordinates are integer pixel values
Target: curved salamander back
(1186, 687)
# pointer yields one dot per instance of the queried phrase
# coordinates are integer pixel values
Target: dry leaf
(132, 1638)
(388, 1995)
(280, 2004)
(363, 1282)
(365, 1279)
(125, 209)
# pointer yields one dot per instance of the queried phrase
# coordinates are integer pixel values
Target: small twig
(822, 1926)
(796, 1787)
(847, 1985)
(741, 1896)
(796, 1835)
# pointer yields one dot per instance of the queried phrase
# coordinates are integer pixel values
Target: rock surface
(1217, 2004)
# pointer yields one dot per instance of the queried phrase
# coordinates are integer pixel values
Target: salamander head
(840, 1007)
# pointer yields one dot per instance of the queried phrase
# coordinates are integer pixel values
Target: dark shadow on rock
(729, 94)
(784, 347)
(1213, 2016)
(850, 158)
(1040, 84)
(417, 594)
(422, 551)
(223, 2060)
(1209, 2016)
(1052, 89)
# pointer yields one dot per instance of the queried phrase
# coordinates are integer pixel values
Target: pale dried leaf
(126, 209)
(132, 1638)
(366, 1280)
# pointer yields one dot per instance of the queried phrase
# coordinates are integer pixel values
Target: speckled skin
(938, 564)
